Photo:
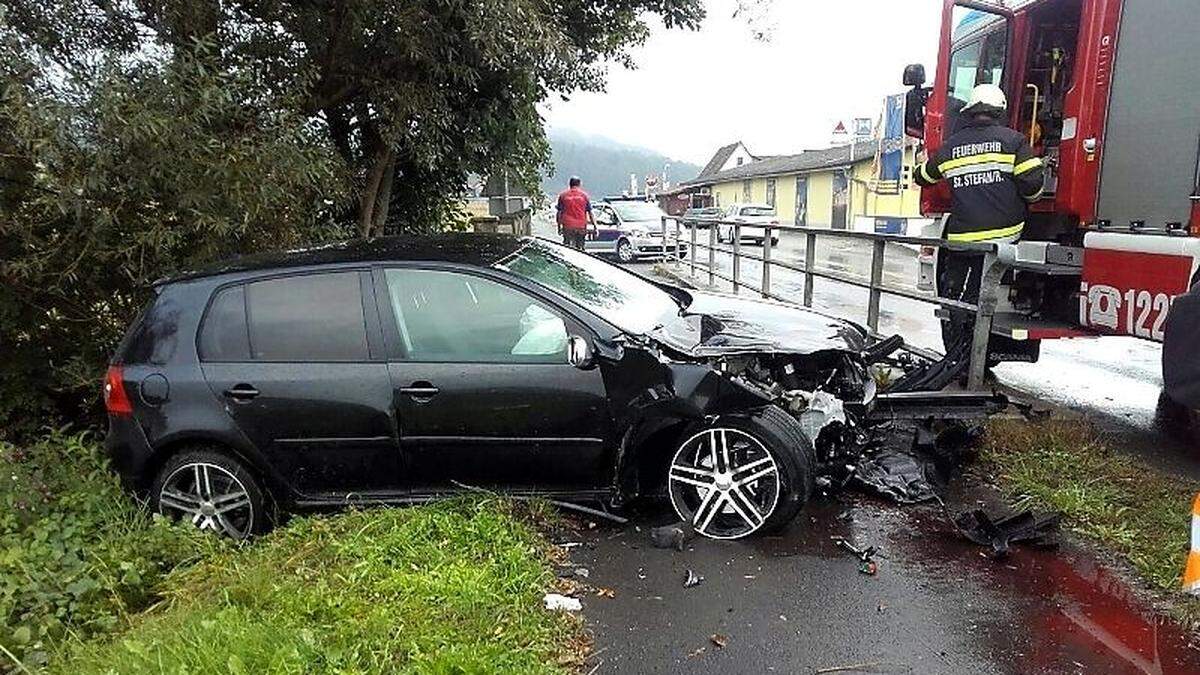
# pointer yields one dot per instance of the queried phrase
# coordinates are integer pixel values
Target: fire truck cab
(1108, 92)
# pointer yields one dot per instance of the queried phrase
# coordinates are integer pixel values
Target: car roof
(749, 205)
(466, 248)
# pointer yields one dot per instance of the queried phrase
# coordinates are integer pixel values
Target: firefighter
(993, 175)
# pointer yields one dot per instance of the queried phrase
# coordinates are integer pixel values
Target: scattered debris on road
(561, 603)
(692, 579)
(676, 535)
(605, 593)
(895, 475)
(999, 534)
(866, 556)
(719, 640)
(582, 572)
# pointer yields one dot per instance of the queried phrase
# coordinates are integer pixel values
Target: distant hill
(605, 164)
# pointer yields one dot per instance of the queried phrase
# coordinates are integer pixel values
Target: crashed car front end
(733, 357)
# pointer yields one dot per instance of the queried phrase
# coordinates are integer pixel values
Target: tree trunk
(383, 200)
(370, 196)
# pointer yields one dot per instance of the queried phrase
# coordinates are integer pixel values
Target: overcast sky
(696, 90)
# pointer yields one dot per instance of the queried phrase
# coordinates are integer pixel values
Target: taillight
(115, 400)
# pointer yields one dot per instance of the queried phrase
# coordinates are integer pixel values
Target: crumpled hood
(717, 324)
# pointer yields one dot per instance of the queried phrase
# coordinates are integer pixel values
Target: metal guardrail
(984, 310)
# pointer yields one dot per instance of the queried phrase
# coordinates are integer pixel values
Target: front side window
(312, 317)
(452, 317)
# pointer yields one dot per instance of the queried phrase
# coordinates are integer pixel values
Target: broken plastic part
(556, 602)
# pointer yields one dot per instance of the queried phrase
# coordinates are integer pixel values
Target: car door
(607, 232)
(484, 394)
(297, 362)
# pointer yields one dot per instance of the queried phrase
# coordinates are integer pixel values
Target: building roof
(779, 165)
(455, 247)
(718, 160)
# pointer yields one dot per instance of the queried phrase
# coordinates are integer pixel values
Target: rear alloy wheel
(625, 251)
(212, 491)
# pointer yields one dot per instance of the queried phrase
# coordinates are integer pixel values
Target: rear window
(152, 340)
(315, 317)
(757, 211)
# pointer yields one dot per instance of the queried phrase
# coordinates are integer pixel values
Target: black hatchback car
(397, 370)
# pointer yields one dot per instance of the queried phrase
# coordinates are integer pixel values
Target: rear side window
(314, 317)
(224, 336)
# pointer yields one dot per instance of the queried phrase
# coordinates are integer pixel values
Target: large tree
(139, 137)
(417, 94)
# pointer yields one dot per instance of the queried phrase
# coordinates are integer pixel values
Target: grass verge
(450, 587)
(90, 583)
(1142, 515)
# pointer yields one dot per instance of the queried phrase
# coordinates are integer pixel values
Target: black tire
(625, 251)
(212, 489)
(794, 459)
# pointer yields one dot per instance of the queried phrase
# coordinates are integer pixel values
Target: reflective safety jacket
(992, 173)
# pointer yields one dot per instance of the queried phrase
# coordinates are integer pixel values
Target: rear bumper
(129, 451)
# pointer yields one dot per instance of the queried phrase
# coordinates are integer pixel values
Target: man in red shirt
(574, 214)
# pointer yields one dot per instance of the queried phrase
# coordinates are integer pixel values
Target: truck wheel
(742, 474)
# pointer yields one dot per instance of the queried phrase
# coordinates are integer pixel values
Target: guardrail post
(676, 254)
(737, 256)
(876, 292)
(989, 283)
(692, 251)
(712, 252)
(810, 259)
(766, 262)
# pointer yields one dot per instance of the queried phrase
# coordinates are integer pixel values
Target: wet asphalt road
(796, 603)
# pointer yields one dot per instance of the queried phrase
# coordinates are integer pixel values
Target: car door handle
(241, 392)
(420, 391)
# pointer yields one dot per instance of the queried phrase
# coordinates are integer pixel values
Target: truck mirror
(914, 111)
(914, 75)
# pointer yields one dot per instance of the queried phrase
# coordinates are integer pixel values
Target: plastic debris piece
(719, 640)
(999, 534)
(560, 603)
(692, 579)
(606, 593)
(582, 572)
(674, 536)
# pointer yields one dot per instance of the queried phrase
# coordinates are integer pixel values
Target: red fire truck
(1108, 92)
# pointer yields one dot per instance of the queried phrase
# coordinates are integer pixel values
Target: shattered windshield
(619, 297)
(637, 212)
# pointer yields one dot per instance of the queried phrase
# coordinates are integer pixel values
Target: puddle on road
(1074, 615)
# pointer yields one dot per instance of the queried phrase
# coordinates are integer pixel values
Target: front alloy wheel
(212, 491)
(625, 251)
(725, 482)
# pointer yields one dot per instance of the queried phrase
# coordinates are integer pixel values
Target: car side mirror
(914, 75)
(579, 352)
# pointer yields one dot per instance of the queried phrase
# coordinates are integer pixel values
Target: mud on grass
(454, 586)
(1126, 507)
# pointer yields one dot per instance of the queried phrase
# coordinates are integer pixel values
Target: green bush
(78, 557)
(451, 587)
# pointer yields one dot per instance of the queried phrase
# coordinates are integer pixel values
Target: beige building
(833, 187)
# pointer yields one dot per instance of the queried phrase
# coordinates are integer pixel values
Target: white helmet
(986, 98)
